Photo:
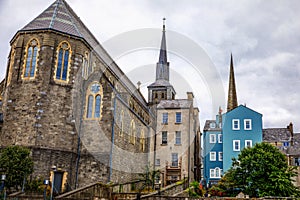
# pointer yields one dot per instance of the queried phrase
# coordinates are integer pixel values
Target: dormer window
(212, 125)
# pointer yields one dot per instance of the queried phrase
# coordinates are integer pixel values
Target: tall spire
(162, 66)
(161, 89)
(232, 98)
(163, 47)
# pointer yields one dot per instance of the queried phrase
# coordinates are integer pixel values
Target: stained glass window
(62, 67)
(31, 59)
(94, 97)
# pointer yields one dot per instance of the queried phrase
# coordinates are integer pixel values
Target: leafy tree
(263, 171)
(195, 189)
(16, 163)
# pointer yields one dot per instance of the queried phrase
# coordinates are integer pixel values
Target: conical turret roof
(58, 16)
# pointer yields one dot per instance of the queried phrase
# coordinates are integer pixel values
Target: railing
(99, 190)
(89, 192)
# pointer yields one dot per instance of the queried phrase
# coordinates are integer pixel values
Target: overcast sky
(263, 37)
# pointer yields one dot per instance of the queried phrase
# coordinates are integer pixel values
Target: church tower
(161, 89)
(232, 98)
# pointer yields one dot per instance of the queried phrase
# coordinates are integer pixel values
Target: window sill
(177, 123)
(163, 144)
(177, 144)
(164, 123)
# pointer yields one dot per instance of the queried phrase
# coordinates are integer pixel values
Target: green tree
(16, 163)
(195, 189)
(263, 171)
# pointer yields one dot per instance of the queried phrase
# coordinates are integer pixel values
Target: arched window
(63, 61)
(142, 141)
(93, 101)
(121, 123)
(30, 63)
(132, 132)
(218, 172)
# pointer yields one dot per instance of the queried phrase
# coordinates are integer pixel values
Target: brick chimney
(291, 129)
(190, 96)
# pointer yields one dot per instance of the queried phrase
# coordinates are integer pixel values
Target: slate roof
(276, 134)
(208, 128)
(161, 83)
(295, 148)
(57, 16)
(60, 17)
(176, 103)
(283, 135)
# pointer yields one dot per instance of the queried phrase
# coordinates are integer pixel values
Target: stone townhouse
(66, 99)
(177, 138)
(288, 142)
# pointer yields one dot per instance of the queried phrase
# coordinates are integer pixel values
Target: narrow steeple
(162, 67)
(232, 98)
(163, 46)
(161, 89)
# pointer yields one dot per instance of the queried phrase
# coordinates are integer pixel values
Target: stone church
(66, 99)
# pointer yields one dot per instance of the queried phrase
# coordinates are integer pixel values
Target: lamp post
(3, 177)
(52, 181)
(46, 183)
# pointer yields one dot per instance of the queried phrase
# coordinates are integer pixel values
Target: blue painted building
(213, 150)
(242, 128)
(228, 134)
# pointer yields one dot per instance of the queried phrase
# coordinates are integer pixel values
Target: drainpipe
(79, 137)
(189, 148)
(112, 137)
(155, 134)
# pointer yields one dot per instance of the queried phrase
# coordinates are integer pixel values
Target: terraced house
(66, 99)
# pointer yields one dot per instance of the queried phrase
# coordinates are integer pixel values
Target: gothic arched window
(132, 132)
(93, 101)
(63, 61)
(30, 63)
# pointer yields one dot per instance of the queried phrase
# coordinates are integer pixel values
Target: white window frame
(246, 143)
(233, 145)
(212, 173)
(250, 124)
(220, 138)
(233, 124)
(212, 156)
(212, 138)
(220, 156)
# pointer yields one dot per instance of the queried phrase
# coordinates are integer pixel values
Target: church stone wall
(48, 117)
